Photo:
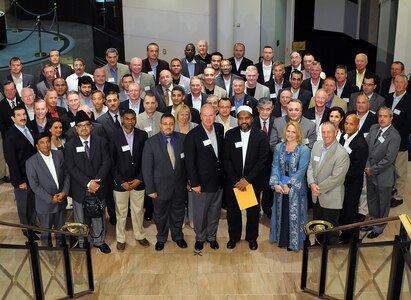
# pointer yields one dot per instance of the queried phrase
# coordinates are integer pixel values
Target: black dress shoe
(181, 243)
(231, 244)
(148, 216)
(159, 246)
(253, 245)
(361, 217)
(373, 235)
(213, 244)
(6, 179)
(395, 202)
(366, 228)
(113, 220)
(199, 246)
(31, 235)
(104, 248)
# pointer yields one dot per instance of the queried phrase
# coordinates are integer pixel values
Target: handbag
(92, 206)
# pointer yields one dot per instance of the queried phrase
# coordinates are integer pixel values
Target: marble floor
(174, 273)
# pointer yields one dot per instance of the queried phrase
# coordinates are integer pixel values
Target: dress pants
(97, 226)
(168, 215)
(206, 214)
(136, 208)
(234, 219)
(363, 205)
(3, 165)
(379, 202)
(401, 165)
(26, 206)
(51, 221)
(330, 215)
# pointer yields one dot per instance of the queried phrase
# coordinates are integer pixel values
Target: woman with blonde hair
(183, 119)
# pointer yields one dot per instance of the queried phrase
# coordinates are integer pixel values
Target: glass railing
(30, 271)
(372, 270)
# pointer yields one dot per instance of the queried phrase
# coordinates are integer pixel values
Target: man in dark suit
(368, 89)
(400, 104)
(357, 148)
(152, 65)
(165, 179)
(264, 121)
(367, 118)
(239, 62)
(202, 49)
(135, 102)
(226, 77)
(195, 98)
(126, 151)
(315, 82)
(88, 162)
(241, 98)
(344, 87)
(53, 111)
(387, 85)
(245, 157)
(177, 97)
(296, 64)
(20, 79)
(6, 106)
(383, 144)
(98, 129)
(265, 67)
(318, 113)
(162, 91)
(277, 83)
(190, 66)
(60, 70)
(18, 147)
(280, 105)
(298, 91)
(357, 75)
(204, 158)
(101, 84)
(50, 183)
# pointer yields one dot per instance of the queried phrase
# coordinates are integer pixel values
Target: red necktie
(57, 72)
(265, 127)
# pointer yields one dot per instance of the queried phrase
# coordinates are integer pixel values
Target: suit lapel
(330, 153)
(46, 171)
(204, 137)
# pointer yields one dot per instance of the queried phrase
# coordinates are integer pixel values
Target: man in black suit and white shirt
(265, 67)
(152, 65)
(238, 62)
(101, 84)
(195, 98)
(134, 102)
(20, 79)
(177, 97)
(296, 64)
(60, 70)
(278, 82)
(357, 75)
(298, 91)
(344, 87)
(245, 157)
(204, 157)
(165, 179)
(190, 66)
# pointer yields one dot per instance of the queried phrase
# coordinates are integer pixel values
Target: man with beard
(225, 78)
(190, 66)
(79, 71)
(245, 156)
(85, 86)
(47, 82)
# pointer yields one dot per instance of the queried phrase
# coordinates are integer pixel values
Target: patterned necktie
(378, 135)
(166, 97)
(13, 104)
(87, 149)
(170, 151)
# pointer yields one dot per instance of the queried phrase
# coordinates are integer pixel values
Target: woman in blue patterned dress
(288, 179)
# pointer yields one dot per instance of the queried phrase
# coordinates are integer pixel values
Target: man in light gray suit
(326, 172)
(145, 81)
(113, 69)
(253, 88)
(368, 88)
(226, 77)
(294, 113)
(149, 120)
(383, 144)
(50, 183)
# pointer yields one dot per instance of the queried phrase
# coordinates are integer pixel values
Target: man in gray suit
(326, 172)
(383, 144)
(50, 183)
(145, 81)
(113, 69)
(165, 179)
(294, 113)
(368, 89)
(253, 88)
(226, 77)
(149, 120)
(224, 117)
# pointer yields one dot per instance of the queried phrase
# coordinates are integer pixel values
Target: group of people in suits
(265, 124)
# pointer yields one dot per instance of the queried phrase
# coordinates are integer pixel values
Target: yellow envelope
(247, 198)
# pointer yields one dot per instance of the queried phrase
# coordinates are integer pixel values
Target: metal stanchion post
(16, 29)
(40, 53)
(58, 37)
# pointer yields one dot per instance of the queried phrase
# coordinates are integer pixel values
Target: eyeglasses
(81, 126)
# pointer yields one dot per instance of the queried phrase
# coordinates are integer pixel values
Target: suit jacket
(65, 72)
(259, 67)
(98, 130)
(108, 87)
(126, 105)
(381, 156)
(330, 175)
(61, 111)
(289, 69)
(83, 169)
(218, 91)
(144, 123)
(337, 101)
(204, 168)
(277, 132)
(376, 101)
(199, 67)
(271, 86)
(219, 80)
(42, 183)
(257, 124)
(370, 120)
(310, 114)
(188, 99)
(158, 173)
(42, 87)
(352, 77)
(385, 87)
(195, 115)
(305, 97)
(126, 166)
(232, 123)
(28, 81)
(110, 128)
(260, 91)
(121, 71)
(158, 92)
(348, 89)
(248, 100)
(402, 118)
(255, 160)
(162, 65)
(245, 62)
(17, 149)
(5, 115)
(184, 82)
(306, 84)
(146, 81)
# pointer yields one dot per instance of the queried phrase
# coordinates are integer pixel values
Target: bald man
(163, 90)
(357, 75)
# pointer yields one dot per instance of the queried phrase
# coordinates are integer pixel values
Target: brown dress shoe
(144, 242)
(121, 246)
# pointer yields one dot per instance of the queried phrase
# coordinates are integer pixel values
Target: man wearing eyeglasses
(368, 89)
